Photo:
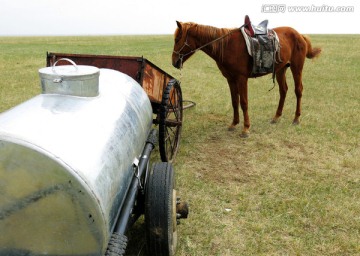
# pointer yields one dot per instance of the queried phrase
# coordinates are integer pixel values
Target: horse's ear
(178, 24)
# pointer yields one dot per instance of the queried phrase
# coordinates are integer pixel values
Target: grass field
(285, 190)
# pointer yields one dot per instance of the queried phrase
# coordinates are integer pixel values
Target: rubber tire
(169, 136)
(117, 245)
(160, 211)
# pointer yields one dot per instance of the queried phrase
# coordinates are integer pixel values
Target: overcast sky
(119, 17)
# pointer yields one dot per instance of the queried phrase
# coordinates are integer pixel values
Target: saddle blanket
(263, 49)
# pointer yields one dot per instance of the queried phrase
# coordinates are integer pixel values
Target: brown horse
(228, 48)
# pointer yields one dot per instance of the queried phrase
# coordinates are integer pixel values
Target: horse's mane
(209, 33)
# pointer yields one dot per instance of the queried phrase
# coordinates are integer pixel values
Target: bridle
(182, 55)
(186, 44)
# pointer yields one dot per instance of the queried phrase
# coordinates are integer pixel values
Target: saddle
(263, 45)
(253, 30)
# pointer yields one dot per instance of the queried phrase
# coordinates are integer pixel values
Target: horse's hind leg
(283, 88)
(297, 74)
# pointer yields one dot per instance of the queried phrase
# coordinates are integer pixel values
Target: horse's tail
(311, 52)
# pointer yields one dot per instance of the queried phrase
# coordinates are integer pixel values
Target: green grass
(285, 190)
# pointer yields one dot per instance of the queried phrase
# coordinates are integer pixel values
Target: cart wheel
(160, 210)
(116, 245)
(171, 115)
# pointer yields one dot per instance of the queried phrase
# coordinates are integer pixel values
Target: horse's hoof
(245, 134)
(274, 120)
(296, 122)
(231, 128)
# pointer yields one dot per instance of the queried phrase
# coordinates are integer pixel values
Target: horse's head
(184, 45)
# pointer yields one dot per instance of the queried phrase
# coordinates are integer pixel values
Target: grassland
(285, 190)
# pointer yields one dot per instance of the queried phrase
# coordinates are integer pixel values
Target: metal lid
(68, 71)
(76, 80)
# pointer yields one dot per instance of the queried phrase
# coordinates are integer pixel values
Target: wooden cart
(162, 89)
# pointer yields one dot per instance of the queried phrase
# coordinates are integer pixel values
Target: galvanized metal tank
(66, 165)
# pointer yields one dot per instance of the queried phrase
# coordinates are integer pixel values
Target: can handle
(72, 62)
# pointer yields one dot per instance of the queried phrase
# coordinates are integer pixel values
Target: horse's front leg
(243, 93)
(235, 104)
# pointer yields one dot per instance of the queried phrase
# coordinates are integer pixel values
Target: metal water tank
(66, 162)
